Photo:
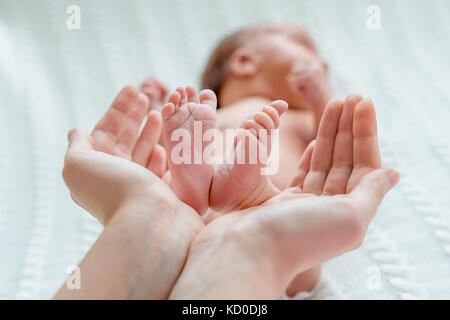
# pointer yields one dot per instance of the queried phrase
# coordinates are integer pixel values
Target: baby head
(273, 60)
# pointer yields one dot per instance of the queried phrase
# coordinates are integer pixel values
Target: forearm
(135, 257)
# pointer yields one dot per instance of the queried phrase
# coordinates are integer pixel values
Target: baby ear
(243, 63)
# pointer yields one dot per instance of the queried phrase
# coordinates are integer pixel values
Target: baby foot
(184, 113)
(240, 186)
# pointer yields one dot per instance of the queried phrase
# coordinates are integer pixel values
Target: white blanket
(53, 79)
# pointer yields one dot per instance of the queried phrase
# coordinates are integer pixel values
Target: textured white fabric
(53, 79)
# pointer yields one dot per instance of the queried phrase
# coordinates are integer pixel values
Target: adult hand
(99, 182)
(255, 253)
(333, 197)
(148, 231)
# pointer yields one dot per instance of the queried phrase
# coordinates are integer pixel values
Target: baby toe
(252, 126)
(182, 92)
(167, 110)
(280, 105)
(175, 98)
(264, 120)
(209, 98)
(273, 114)
(191, 94)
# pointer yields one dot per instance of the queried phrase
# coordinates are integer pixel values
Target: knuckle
(130, 91)
(354, 98)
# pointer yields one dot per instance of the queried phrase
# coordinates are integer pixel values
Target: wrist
(158, 208)
(154, 241)
(234, 267)
(258, 271)
(261, 251)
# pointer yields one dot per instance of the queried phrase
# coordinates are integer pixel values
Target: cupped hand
(229, 257)
(118, 161)
(333, 197)
(119, 131)
(102, 183)
(148, 231)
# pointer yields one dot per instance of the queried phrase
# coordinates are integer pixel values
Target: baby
(249, 69)
(244, 76)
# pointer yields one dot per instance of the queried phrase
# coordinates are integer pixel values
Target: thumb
(79, 140)
(372, 188)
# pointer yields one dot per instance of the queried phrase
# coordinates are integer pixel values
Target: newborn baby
(246, 73)
(249, 69)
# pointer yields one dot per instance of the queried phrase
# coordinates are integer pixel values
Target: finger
(303, 167)
(112, 122)
(129, 134)
(79, 141)
(157, 162)
(148, 139)
(150, 91)
(322, 156)
(366, 154)
(191, 94)
(154, 89)
(155, 92)
(337, 179)
(372, 188)
(121, 123)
